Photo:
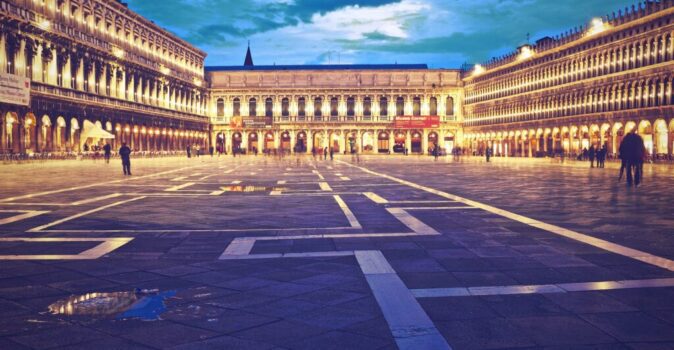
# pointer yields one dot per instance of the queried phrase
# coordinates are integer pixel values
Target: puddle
(145, 304)
(252, 188)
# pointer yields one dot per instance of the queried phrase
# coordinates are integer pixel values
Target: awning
(93, 131)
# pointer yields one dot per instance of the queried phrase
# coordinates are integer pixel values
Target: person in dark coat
(591, 153)
(325, 153)
(488, 154)
(125, 154)
(107, 151)
(189, 151)
(632, 152)
(332, 153)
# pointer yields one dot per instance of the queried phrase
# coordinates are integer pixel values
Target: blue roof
(320, 67)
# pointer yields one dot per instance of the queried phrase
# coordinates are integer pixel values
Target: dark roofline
(320, 67)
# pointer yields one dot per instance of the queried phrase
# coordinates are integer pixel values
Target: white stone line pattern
(593, 241)
(179, 187)
(375, 197)
(353, 221)
(318, 174)
(410, 325)
(542, 288)
(32, 195)
(84, 213)
(24, 214)
(281, 182)
(344, 178)
(106, 246)
(324, 187)
(96, 199)
(440, 208)
(413, 223)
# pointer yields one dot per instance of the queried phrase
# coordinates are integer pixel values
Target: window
(400, 106)
(416, 106)
(433, 106)
(333, 107)
(383, 106)
(350, 107)
(268, 107)
(449, 108)
(285, 107)
(367, 106)
(236, 107)
(221, 108)
(318, 106)
(301, 107)
(252, 107)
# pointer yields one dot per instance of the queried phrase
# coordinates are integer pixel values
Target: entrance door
(252, 143)
(236, 142)
(382, 142)
(416, 142)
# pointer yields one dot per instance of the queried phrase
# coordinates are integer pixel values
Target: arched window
(350, 107)
(252, 107)
(333, 107)
(285, 107)
(400, 106)
(220, 108)
(367, 106)
(236, 107)
(268, 107)
(416, 106)
(318, 107)
(301, 107)
(449, 107)
(433, 108)
(383, 106)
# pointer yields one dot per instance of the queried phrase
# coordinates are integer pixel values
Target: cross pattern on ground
(262, 209)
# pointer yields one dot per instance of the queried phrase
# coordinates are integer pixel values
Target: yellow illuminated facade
(587, 87)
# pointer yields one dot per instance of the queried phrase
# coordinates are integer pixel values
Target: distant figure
(436, 151)
(125, 154)
(591, 153)
(332, 153)
(325, 153)
(86, 148)
(197, 150)
(189, 151)
(601, 156)
(632, 153)
(313, 152)
(107, 152)
(487, 154)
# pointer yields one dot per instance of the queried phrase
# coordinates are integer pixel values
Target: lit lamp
(525, 52)
(478, 69)
(597, 26)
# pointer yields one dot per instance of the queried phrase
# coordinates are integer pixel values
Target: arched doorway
(10, 133)
(285, 141)
(59, 134)
(383, 142)
(334, 142)
(220, 143)
(318, 141)
(646, 132)
(661, 138)
(415, 143)
(30, 136)
(252, 143)
(352, 143)
(368, 142)
(399, 142)
(74, 139)
(301, 142)
(236, 142)
(269, 141)
(432, 142)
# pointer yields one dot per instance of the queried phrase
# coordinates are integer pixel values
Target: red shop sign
(417, 122)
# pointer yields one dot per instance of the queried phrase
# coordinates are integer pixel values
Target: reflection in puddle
(146, 305)
(251, 188)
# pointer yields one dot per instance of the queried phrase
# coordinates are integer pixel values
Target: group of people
(598, 154)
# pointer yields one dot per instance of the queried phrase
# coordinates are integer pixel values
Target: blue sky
(441, 33)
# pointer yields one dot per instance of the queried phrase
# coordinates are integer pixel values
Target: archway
(661, 138)
(415, 144)
(334, 142)
(45, 135)
(253, 145)
(59, 134)
(383, 142)
(432, 142)
(269, 141)
(645, 130)
(10, 133)
(236, 142)
(399, 142)
(301, 142)
(285, 141)
(220, 143)
(30, 136)
(318, 142)
(74, 139)
(368, 142)
(352, 143)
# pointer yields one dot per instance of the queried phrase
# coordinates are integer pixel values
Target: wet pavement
(297, 253)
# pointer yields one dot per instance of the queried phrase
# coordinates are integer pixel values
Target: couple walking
(632, 155)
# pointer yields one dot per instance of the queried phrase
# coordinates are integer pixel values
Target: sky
(440, 33)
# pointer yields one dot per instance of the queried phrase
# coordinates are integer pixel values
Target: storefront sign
(257, 122)
(417, 122)
(14, 89)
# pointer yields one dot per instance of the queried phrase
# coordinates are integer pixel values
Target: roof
(319, 67)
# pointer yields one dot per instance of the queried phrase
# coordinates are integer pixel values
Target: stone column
(424, 142)
(408, 141)
(391, 140)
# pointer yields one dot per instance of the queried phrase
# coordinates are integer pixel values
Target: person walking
(591, 153)
(332, 153)
(189, 151)
(125, 154)
(325, 153)
(107, 152)
(488, 154)
(632, 152)
(601, 156)
(211, 150)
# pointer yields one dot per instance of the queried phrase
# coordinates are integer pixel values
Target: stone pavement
(297, 253)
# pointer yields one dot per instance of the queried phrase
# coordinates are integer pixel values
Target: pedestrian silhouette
(632, 153)
(125, 154)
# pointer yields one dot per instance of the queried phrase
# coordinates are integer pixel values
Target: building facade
(350, 108)
(95, 67)
(587, 87)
